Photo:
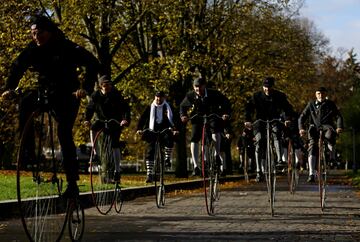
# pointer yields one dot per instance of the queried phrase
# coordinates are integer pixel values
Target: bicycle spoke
(40, 181)
(102, 169)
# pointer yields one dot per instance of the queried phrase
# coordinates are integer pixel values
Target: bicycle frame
(270, 171)
(322, 163)
(210, 166)
(159, 167)
(39, 195)
(106, 192)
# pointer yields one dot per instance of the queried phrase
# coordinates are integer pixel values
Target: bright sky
(338, 20)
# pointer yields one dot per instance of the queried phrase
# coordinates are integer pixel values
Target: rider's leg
(217, 139)
(313, 152)
(117, 160)
(194, 148)
(149, 161)
(259, 155)
(330, 136)
(168, 142)
(66, 110)
(277, 143)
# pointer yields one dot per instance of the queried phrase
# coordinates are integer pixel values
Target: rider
(292, 132)
(108, 103)
(268, 105)
(321, 112)
(55, 60)
(204, 101)
(157, 117)
(245, 143)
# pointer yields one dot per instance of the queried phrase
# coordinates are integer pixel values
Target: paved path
(242, 215)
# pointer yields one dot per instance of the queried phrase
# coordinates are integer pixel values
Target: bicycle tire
(246, 165)
(322, 173)
(40, 180)
(119, 200)
(101, 173)
(271, 175)
(292, 181)
(159, 177)
(210, 177)
(76, 220)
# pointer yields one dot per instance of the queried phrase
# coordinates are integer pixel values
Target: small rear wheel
(76, 220)
(118, 199)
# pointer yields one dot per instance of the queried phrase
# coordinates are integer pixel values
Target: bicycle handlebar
(156, 132)
(206, 116)
(267, 121)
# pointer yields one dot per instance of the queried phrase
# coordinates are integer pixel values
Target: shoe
(258, 177)
(311, 178)
(149, 178)
(72, 191)
(196, 171)
(167, 163)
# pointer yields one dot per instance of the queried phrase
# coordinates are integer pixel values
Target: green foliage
(160, 45)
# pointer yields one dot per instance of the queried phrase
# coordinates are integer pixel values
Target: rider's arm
(303, 118)
(90, 108)
(249, 109)
(185, 105)
(18, 68)
(143, 122)
(85, 59)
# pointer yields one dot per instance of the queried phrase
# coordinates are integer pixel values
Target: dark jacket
(214, 102)
(109, 106)
(324, 113)
(56, 64)
(145, 119)
(268, 107)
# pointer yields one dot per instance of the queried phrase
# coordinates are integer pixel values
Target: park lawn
(8, 182)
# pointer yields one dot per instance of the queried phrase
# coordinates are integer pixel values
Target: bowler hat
(321, 89)
(104, 79)
(199, 81)
(269, 82)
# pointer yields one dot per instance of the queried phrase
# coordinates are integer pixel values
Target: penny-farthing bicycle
(40, 180)
(105, 186)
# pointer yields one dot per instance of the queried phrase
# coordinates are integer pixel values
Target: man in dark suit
(204, 101)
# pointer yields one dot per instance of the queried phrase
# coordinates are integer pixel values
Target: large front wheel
(292, 171)
(322, 176)
(270, 178)
(76, 220)
(102, 169)
(159, 177)
(210, 172)
(40, 180)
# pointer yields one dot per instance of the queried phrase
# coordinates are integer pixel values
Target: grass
(8, 183)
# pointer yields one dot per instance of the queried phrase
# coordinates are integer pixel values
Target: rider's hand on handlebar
(225, 116)
(139, 132)
(248, 125)
(287, 123)
(8, 94)
(339, 130)
(184, 119)
(80, 93)
(302, 132)
(86, 123)
(124, 122)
